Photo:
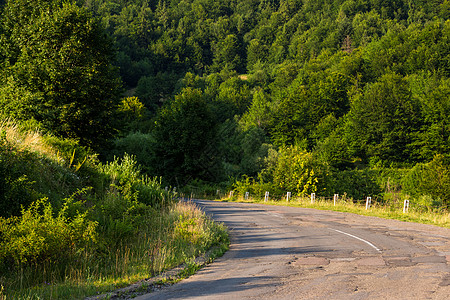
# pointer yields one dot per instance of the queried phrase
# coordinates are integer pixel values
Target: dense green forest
(343, 96)
(308, 96)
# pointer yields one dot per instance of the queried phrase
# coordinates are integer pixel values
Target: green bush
(295, 171)
(356, 184)
(73, 155)
(38, 236)
(123, 176)
(430, 179)
(140, 145)
(244, 185)
(127, 199)
(16, 187)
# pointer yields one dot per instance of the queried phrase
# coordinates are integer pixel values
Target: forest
(307, 96)
(108, 108)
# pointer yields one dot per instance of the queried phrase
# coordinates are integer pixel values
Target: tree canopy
(232, 86)
(57, 69)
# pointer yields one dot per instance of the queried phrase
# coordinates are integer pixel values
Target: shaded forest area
(344, 96)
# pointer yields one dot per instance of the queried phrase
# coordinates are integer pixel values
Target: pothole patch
(371, 261)
(434, 259)
(400, 261)
(313, 260)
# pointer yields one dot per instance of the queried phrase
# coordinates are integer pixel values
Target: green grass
(389, 211)
(173, 237)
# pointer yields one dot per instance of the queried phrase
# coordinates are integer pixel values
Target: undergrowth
(71, 226)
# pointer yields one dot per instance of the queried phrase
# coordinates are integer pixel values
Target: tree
(433, 138)
(259, 112)
(184, 133)
(382, 121)
(227, 53)
(58, 70)
(311, 97)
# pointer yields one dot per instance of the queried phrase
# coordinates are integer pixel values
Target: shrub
(71, 154)
(31, 168)
(16, 187)
(123, 176)
(295, 172)
(430, 179)
(356, 184)
(37, 236)
(138, 144)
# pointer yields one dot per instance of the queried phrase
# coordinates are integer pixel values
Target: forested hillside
(307, 96)
(340, 94)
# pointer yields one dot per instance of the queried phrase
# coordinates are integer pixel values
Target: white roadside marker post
(313, 197)
(335, 198)
(368, 202)
(231, 194)
(266, 197)
(246, 195)
(288, 196)
(405, 206)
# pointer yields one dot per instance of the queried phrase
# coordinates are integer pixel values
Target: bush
(37, 236)
(31, 168)
(356, 184)
(16, 187)
(430, 179)
(123, 176)
(138, 144)
(72, 155)
(295, 171)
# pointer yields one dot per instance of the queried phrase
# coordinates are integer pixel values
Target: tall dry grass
(30, 140)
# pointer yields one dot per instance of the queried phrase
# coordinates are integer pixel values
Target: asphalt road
(297, 253)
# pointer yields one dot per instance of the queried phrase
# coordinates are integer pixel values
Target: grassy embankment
(86, 228)
(419, 215)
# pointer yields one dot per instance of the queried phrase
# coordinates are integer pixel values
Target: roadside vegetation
(71, 226)
(424, 215)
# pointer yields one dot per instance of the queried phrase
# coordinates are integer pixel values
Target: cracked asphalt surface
(281, 252)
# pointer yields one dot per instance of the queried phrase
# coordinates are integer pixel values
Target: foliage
(382, 121)
(37, 236)
(356, 184)
(127, 218)
(140, 145)
(356, 83)
(310, 98)
(183, 134)
(31, 169)
(430, 179)
(295, 172)
(340, 97)
(57, 70)
(123, 178)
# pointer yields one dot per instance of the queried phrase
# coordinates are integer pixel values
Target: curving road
(297, 253)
